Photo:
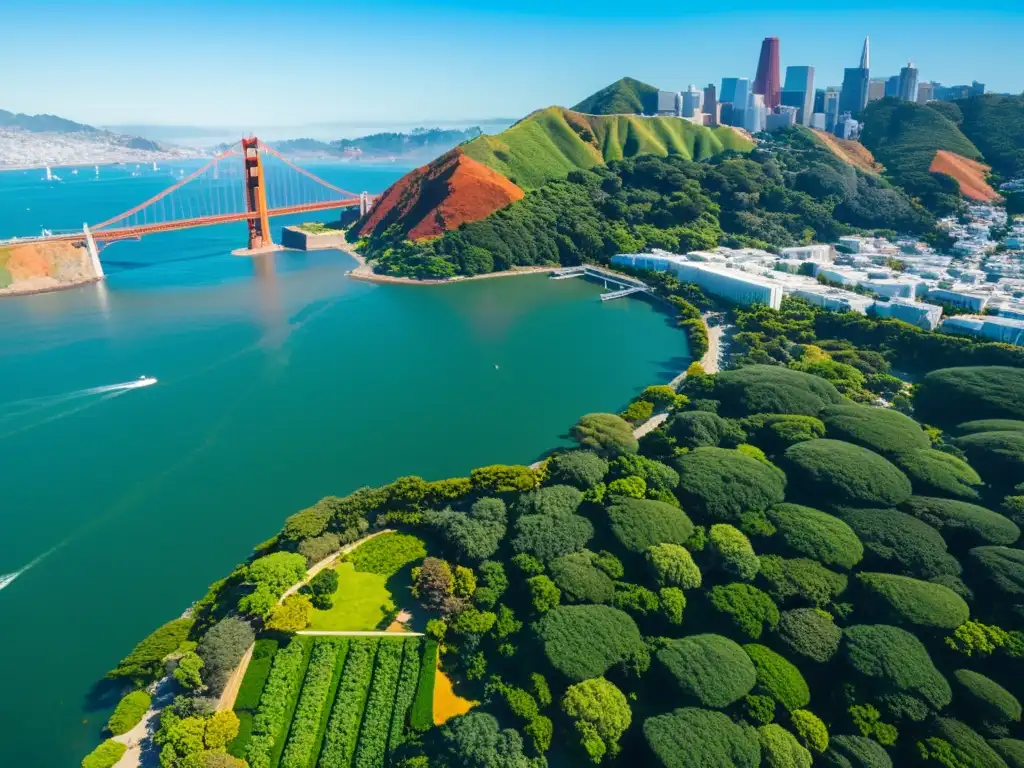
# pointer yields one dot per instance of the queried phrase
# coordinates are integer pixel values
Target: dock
(624, 284)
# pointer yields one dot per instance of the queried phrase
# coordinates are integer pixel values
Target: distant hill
(544, 146)
(43, 123)
(904, 137)
(623, 97)
(422, 143)
(996, 126)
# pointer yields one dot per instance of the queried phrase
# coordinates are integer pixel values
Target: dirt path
(329, 560)
(139, 739)
(358, 633)
(230, 693)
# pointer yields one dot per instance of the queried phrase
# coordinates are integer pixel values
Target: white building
(917, 313)
(730, 284)
(975, 302)
(819, 252)
(835, 299)
(1004, 329)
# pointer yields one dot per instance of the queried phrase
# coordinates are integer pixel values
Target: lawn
(358, 602)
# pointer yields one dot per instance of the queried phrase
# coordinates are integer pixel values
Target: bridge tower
(255, 195)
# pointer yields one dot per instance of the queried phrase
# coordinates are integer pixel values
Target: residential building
(693, 99)
(908, 82)
(969, 300)
(1005, 329)
(818, 121)
(835, 299)
(816, 252)
(799, 92)
(669, 103)
(876, 89)
(925, 92)
(766, 82)
(727, 283)
(847, 128)
(783, 117)
(711, 107)
(728, 94)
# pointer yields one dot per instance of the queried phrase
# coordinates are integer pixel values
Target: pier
(625, 285)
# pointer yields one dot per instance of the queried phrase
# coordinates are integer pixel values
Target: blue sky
(307, 61)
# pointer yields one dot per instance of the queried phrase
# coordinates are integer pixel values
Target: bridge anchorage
(265, 184)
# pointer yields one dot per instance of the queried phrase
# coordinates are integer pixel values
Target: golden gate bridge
(249, 181)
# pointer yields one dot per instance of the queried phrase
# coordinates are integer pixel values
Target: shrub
(552, 500)
(440, 492)
(775, 432)
(387, 554)
(276, 572)
(673, 602)
(129, 712)
(800, 580)
(1011, 750)
(880, 429)
(999, 568)
(549, 536)
(962, 524)
(502, 478)
(989, 425)
(544, 595)
(855, 752)
(319, 548)
(896, 541)
(307, 523)
(631, 487)
(999, 454)
(731, 551)
(580, 580)
(580, 469)
(475, 740)
(584, 641)
(749, 609)
(711, 670)
(844, 474)
(985, 701)
(106, 755)
(373, 733)
(722, 483)
(673, 566)
(635, 598)
(146, 661)
(339, 742)
(221, 648)
(772, 389)
(281, 688)
(304, 730)
(810, 730)
(946, 396)
(759, 709)
(810, 632)
(778, 678)
(896, 663)
(780, 749)
(421, 713)
(657, 476)
(641, 523)
(817, 535)
(292, 615)
(903, 600)
(697, 738)
(698, 429)
(601, 714)
(941, 473)
(605, 434)
(956, 744)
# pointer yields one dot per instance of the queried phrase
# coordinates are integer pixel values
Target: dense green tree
(799, 580)
(840, 473)
(696, 738)
(605, 434)
(903, 600)
(580, 580)
(544, 594)
(984, 702)
(894, 541)
(939, 473)
(721, 484)
(580, 469)
(1011, 750)
(953, 395)
(748, 609)
(961, 523)
(549, 536)
(474, 535)
(731, 551)
(778, 678)
(775, 432)
(673, 565)
(817, 535)
(710, 670)
(641, 523)
(188, 672)
(221, 648)
(1000, 455)
(584, 641)
(699, 429)
(657, 476)
(879, 429)
(953, 743)
(810, 632)
(855, 752)
(146, 661)
(600, 714)
(771, 389)
(476, 740)
(997, 568)
(276, 572)
(780, 749)
(502, 478)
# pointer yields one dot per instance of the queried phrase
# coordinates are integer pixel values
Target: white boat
(154, 166)
(74, 171)
(49, 174)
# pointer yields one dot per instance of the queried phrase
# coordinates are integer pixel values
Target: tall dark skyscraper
(908, 82)
(767, 80)
(711, 108)
(856, 80)
(728, 92)
(799, 92)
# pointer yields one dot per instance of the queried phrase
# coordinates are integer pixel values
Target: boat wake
(7, 578)
(42, 410)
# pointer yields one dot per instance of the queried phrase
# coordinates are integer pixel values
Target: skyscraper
(711, 104)
(728, 94)
(832, 96)
(925, 92)
(854, 96)
(766, 81)
(799, 92)
(819, 100)
(892, 87)
(908, 82)
(692, 101)
(876, 89)
(741, 97)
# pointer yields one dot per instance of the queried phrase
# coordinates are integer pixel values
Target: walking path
(358, 633)
(327, 561)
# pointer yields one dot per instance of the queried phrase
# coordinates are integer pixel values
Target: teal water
(280, 381)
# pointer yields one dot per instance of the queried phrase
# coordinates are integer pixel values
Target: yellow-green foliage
(551, 142)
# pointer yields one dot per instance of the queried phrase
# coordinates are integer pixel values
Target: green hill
(996, 126)
(904, 136)
(623, 97)
(552, 142)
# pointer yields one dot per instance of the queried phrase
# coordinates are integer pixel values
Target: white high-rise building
(693, 101)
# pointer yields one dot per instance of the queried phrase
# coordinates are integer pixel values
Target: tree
(775, 432)
(673, 602)
(673, 566)
(778, 678)
(106, 755)
(882, 430)
(319, 548)
(696, 738)
(845, 474)
(434, 585)
(817, 535)
(722, 483)
(810, 730)
(955, 744)
(631, 487)
(985, 703)
(856, 752)
(641, 523)
(1000, 569)
(580, 469)
(129, 712)
(188, 673)
(549, 536)
(951, 395)
(810, 632)
(221, 728)
(710, 670)
(584, 641)
(780, 749)
(503, 478)
(544, 595)
(221, 648)
(894, 541)
(605, 434)
(772, 389)
(260, 602)
(749, 609)
(1000, 455)
(276, 572)
(698, 429)
(580, 580)
(961, 523)
(601, 714)
(474, 535)
(292, 615)
(323, 586)
(731, 551)
(464, 583)
(800, 580)
(939, 473)
(146, 661)
(475, 740)
(903, 600)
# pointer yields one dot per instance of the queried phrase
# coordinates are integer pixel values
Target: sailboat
(154, 166)
(49, 174)
(97, 169)
(74, 171)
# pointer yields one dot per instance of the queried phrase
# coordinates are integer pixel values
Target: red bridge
(261, 184)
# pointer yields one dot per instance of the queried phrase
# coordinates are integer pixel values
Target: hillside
(421, 143)
(996, 126)
(851, 152)
(969, 175)
(43, 123)
(623, 97)
(440, 196)
(904, 137)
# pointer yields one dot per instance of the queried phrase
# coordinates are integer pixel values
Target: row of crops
(328, 702)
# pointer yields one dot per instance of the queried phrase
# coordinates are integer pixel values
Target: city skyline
(374, 64)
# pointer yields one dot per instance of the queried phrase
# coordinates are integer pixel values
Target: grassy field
(554, 141)
(360, 603)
